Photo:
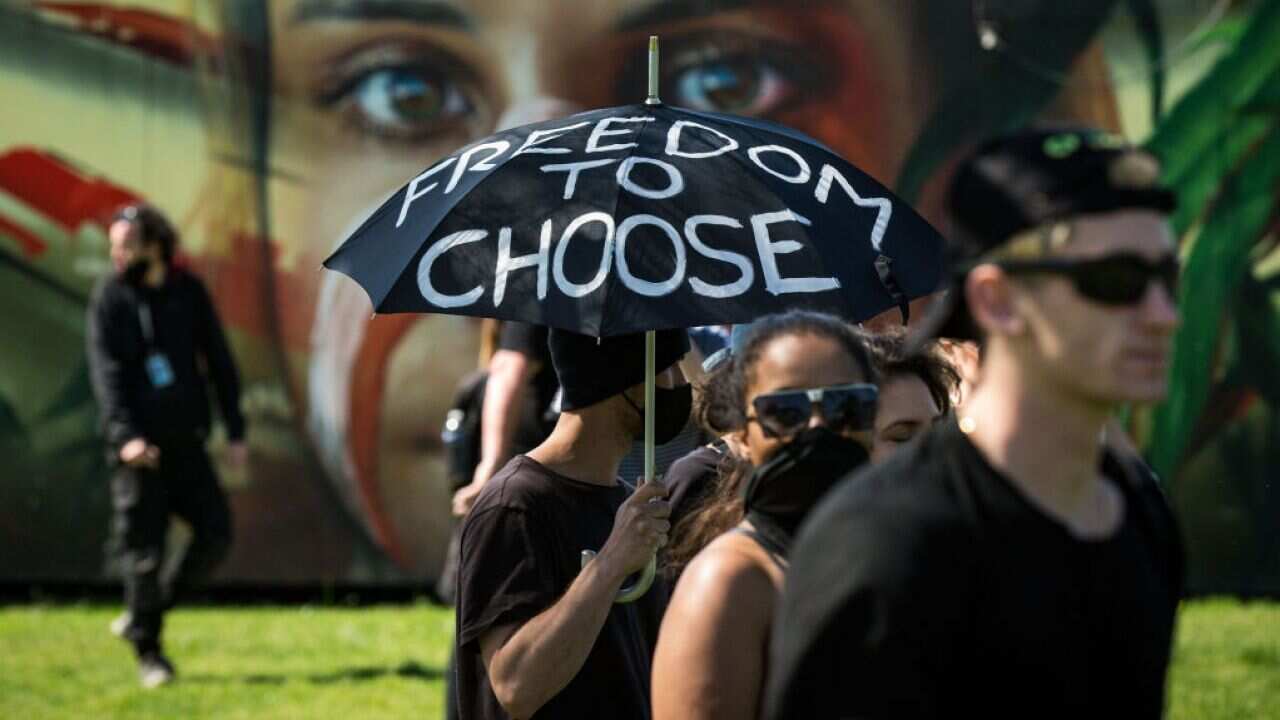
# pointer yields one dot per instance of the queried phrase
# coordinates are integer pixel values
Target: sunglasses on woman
(1120, 279)
(844, 408)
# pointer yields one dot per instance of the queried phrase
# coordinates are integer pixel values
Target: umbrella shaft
(653, 71)
(650, 351)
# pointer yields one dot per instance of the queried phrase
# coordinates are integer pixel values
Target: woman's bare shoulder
(733, 571)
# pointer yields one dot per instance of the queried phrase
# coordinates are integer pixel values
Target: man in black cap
(538, 632)
(1009, 564)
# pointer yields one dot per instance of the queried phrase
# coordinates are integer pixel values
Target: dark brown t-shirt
(521, 549)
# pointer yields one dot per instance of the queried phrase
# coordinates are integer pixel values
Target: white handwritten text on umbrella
(663, 181)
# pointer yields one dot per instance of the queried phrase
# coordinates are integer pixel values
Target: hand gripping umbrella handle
(636, 590)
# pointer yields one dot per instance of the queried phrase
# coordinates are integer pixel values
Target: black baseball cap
(592, 370)
(1033, 179)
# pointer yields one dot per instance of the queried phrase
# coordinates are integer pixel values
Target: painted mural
(268, 130)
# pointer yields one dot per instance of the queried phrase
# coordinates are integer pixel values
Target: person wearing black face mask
(538, 632)
(806, 406)
(154, 345)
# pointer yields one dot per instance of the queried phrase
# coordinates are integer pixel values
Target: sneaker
(120, 625)
(155, 670)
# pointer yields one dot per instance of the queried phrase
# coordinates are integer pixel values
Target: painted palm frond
(1222, 155)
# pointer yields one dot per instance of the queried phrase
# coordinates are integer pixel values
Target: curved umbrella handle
(636, 590)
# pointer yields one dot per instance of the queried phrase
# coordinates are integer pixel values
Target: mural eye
(405, 101)
(740, 85)
(401, 94)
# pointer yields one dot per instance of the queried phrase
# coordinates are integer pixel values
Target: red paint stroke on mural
(158, 35)
(58, 191)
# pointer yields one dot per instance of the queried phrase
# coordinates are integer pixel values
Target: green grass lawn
(253, 662)
(386, 662)
(1227, 661)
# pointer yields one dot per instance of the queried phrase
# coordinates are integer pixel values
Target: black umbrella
(640, 218)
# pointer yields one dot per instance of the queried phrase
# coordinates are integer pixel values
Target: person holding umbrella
(1012, 563)
(536, 635)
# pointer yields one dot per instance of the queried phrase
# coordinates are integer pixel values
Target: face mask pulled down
(781, 492)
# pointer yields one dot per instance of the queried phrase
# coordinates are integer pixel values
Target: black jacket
(185, 329)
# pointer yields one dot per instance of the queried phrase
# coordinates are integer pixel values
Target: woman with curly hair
(803, 400)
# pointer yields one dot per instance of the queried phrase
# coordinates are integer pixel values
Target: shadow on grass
(411, 670)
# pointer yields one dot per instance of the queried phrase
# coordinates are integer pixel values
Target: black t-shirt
(521, 549)
(690, 481)
(692, 478)
(534, 422)
(931, 587)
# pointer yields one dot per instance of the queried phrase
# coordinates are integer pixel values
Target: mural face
(269, 131)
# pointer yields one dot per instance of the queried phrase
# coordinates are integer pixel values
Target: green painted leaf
(1147, 19)
(1257, 326)
(1196, 190)
(1195, 124)
(1218, 263)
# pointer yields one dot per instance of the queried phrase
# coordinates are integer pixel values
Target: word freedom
(613, 234)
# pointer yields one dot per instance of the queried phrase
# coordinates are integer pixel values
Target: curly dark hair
(890, 350)
(155, 227)
(717, 407)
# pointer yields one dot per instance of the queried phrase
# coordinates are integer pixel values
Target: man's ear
(990, 297)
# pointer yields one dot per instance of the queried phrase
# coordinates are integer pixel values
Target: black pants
(143, 499)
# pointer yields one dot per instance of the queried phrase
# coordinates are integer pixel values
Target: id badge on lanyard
(159, 371)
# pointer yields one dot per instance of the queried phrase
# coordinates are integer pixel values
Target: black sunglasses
(1120, 279)
(844, 407)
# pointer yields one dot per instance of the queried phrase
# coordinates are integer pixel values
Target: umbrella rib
(749, 171)
(612, 281)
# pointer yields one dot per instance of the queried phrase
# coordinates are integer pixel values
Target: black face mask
(673, 406)
(134, 272)
(781, 492)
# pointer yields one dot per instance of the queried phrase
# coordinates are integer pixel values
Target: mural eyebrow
(671, 11)
(415, 11)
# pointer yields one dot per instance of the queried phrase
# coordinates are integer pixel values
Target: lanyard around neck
(144, 319)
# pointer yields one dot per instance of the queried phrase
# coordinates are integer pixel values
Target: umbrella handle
(636, 590)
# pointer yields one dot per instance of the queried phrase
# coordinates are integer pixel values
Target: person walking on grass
(1011, 563)
(154, 345)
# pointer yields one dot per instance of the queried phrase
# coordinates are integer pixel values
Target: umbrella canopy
(642, 217)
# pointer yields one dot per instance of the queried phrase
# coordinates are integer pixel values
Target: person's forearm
(504, 396)
(547, 652)
(498, 423)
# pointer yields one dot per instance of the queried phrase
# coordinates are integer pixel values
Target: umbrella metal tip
(653, 42)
